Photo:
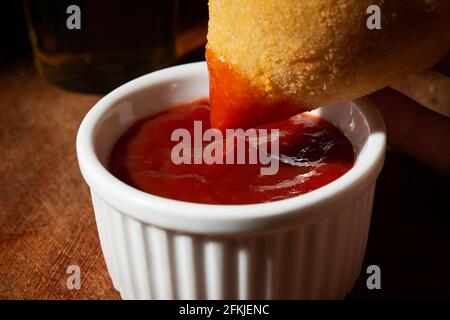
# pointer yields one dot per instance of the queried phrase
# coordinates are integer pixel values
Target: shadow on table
(409, 236)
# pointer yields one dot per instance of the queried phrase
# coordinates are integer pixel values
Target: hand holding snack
(292, 55)
(271, 59)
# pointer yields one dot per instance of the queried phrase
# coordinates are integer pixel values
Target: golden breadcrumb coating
(315, 52)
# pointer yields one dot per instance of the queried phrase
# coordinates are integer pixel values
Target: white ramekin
(311, 246)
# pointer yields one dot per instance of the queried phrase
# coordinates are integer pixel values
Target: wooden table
(46, 216)
(47, 223)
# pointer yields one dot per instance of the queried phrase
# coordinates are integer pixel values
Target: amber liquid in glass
(118, 41)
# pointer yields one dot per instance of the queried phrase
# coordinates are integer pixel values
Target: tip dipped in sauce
(236, 103)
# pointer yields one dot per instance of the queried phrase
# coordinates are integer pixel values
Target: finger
(415, 130)
(443, 66)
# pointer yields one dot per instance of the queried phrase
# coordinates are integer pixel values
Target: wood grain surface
(46, 216)
(47, 223)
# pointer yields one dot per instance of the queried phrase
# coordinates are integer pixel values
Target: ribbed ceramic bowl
(307, 247)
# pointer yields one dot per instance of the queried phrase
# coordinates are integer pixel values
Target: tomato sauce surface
(313, 153)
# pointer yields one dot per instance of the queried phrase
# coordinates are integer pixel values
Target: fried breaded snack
(315, 52)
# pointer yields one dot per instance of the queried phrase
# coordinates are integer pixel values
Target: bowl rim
(212, 218)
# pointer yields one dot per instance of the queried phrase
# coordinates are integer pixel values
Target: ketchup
(235, 103)
(313, 153)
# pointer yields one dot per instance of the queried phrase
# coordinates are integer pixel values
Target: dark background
(409, 237)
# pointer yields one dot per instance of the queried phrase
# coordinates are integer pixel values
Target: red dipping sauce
(313, 153)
